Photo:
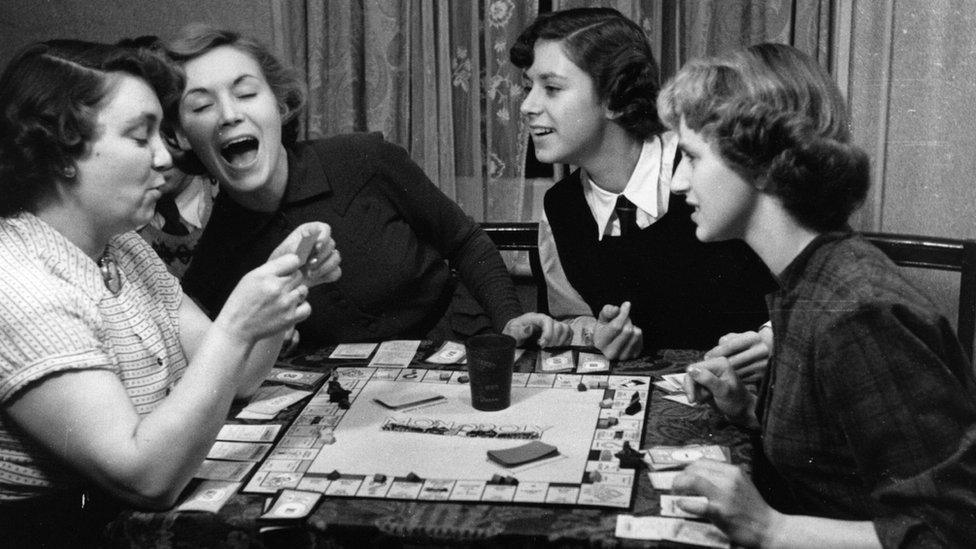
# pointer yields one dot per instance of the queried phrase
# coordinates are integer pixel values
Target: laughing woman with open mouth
(399, 235)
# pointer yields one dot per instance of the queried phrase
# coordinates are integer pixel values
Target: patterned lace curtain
(432, 75)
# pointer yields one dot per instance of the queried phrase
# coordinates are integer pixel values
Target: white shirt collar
(649, 187)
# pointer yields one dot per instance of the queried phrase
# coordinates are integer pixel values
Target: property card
(272, 399)
(353, 351)
(665, 386)
(233, 471)
(247, 414)
(396, 353)
(647, 528)
(248, 433)
(210, 496)
(591, 363)
(675, 381)
(669, 505)
(292, 504)
(525, 453)
(671, 529)
(238, 451)
(663, 480)
(450, 352)
(672, 457)
(699, 533)
(401, 400)
(556, 362)
(680, 398)
(302, 380)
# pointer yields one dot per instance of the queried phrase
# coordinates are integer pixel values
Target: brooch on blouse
(110, 273)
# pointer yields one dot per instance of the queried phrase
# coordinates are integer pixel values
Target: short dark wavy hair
(778, 121)
(286, 83)
(50, 95)
(613, 51)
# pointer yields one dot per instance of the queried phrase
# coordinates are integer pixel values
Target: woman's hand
(734, 504)
(615, 335)
(313, 245)
(715, 381)
(267, 300)
(551, 332)
(748, 352)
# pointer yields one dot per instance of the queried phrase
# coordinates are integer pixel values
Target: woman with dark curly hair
(866, 418)
(112, 382)
(399, 235)
(621, 260)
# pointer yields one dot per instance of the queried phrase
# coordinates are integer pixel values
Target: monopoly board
(439, 451)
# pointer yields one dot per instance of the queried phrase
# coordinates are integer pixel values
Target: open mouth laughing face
(229, 116)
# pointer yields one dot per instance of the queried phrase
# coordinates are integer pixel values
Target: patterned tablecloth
(345, 522)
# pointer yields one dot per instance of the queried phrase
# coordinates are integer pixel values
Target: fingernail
(526, 330)
(694, 374)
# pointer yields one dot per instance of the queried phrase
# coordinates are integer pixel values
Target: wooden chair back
(522, 237)
(944, 254)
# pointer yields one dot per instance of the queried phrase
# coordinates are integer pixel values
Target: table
(344, 522)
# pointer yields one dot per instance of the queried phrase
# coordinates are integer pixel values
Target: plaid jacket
(869, 408)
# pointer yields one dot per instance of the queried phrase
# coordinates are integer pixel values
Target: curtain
(432, 75)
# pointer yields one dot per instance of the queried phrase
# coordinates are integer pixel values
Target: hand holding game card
(732, 500)
(313, 244)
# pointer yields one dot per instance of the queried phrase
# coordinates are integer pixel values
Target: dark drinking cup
(490, 360)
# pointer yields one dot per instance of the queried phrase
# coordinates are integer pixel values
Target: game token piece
(581, 387)
(606, 403)
(510, 481)
(629, 458)
(609, 393)
(379, 478)
(444, 376)
(612, 421)
(595, 476)
(462, 379)
(334, 475)
(337, 393)
(344, 403)
(327, 438)
(603, 423)
(496, 479)
(602, 384)
(412, 477)
(634, 407)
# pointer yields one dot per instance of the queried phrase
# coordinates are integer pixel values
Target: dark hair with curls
(779, 121)
(50, 95)
(287, 85)
(613, 51)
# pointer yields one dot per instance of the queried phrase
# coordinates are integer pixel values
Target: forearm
(583, 327)
(257, 364)
(803, 532)
(168, 444)
(484, 273)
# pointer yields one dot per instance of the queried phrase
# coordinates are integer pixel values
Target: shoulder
(869, 293)
(141, 263)
(565, 191)
(855, 269)
(26, 278)
(359, 150)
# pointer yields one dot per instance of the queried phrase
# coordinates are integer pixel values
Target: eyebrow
(237, 81)
(545, 76)
(145, 118)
